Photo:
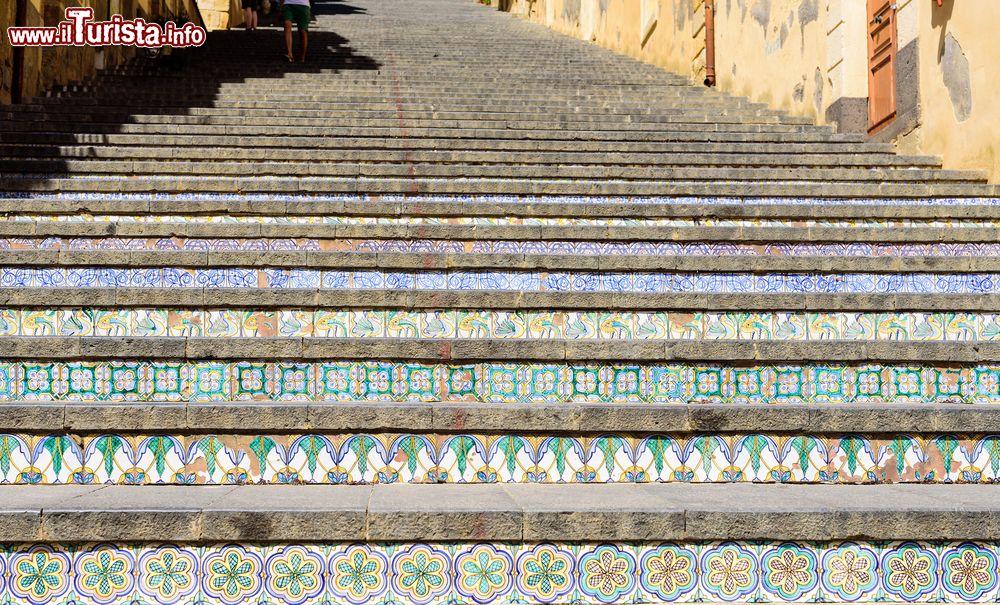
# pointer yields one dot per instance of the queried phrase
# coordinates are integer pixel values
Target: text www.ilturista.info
(80, 29)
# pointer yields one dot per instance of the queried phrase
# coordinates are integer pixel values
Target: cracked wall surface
(809, 57)
(960, 66)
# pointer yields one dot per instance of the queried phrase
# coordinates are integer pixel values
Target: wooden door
(881, 64)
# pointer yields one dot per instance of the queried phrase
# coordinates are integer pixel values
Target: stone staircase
(463, 311)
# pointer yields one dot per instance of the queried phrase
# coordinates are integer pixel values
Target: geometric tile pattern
(424, 574)
(454, 324)
(496, 458)
(452, 246)
(486, 382)
(527, 281)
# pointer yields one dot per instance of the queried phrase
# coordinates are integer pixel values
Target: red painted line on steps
(407, 157)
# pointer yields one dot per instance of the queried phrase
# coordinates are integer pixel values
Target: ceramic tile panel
(463, 323)
(507, 281)
(606, 248)
(355, 458)
(487, 382)
(440, 573)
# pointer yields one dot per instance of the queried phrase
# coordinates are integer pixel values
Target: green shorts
(297, 14)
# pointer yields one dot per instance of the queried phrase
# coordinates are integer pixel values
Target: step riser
(444, 186)
(324, 567)
(414, 170)
(317, 458)
(489, 141)
(620, 326)
(458, 280)
(502, 382)
(69, 156)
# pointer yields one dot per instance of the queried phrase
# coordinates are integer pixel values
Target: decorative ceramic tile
(496, 382)
(466, 324)
(605, 248)
(509, 281)
(425, 574)
(496, 458)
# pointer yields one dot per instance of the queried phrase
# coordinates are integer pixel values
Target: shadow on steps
(235, 64)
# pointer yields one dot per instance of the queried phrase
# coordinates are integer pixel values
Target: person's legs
(288, 38)
(247, 16)
(304, 34)
(300, 15)
(254, 14)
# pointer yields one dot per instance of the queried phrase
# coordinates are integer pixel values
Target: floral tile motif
(487, 382)
(496, 458)
(604, 248)
(465, 324)
(425, 574)
(506, 281)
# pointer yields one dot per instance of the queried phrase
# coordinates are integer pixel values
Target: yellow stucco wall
(221, 14)
(615, 24)
(963, 125)
(48, 67)
(802, 56)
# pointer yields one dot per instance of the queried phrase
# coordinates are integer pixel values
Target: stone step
(523, 383)
(256, 227)
(392, 128)
(71, 348)
(412, 118)
(210, 105)
(704, 211)
(580, 110)
(706, 157)
(443, 418)
(413, 169)
(416, 186)
(399, 95)
(464, 140)
(643, 514)
(600, 268)
(208, 88)
(448, 442)
(450, 324)
(444, 531)
(523, 122)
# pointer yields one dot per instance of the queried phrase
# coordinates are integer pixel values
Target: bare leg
(253, 19)
(305, 45)
(247, 17)
(288, 39)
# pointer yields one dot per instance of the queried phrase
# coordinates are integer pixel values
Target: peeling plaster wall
(810, 57)
(616, 24)
(960, 66)
(755, 36)
(751, 37)
(48, 67)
